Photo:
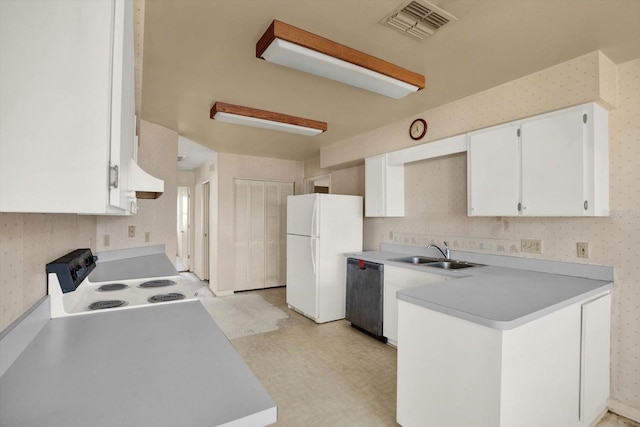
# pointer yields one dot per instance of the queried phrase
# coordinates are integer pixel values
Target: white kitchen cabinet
(552, 371)
(395, 279)
(67, 107)
(493, 159)
(384, 187)
(555, 164)
(595, 357)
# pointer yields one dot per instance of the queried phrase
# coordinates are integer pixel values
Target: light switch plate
(132, 231)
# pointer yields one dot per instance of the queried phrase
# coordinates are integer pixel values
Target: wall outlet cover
(533, 246)
(132, 231)
(106, 240)
(582, 249)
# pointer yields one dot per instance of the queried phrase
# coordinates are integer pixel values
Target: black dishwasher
(365, 287)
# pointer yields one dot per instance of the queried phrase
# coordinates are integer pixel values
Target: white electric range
(72, 293)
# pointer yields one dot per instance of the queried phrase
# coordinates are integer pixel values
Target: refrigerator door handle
(312, 246)
(312, 232)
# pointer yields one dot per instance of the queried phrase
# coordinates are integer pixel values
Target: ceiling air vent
(417, 19)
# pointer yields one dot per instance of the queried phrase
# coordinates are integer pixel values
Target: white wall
(27, 243)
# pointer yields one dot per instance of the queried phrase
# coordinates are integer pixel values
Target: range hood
(145, 185)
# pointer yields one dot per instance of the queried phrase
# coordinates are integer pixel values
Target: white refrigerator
(321, 228)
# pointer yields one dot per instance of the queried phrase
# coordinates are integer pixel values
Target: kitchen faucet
(446, 253)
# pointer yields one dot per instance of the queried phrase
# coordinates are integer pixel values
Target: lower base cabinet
(552, 371)
(396, 279)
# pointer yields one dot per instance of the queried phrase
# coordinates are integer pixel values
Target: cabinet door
(594, 357)
(55, 78)
(122, 104)
(395, 279)
(67, 67)
(384, 188)
(390, 314)
(493, 171)
(553, 165)
(374, 177)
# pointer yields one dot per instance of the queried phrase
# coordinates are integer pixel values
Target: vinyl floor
(318, 375)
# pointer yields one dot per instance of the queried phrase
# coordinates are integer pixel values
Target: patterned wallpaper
(436, 191)
(27, 243)
(586, 78)
(157, 155)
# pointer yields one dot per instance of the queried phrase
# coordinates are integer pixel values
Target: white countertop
(497, 297)
(167, 365)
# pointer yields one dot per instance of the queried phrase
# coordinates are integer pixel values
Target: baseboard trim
(624, 410)
(222, 293)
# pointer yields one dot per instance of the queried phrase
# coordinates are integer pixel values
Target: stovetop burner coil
(173, 296)
(157, 283)
(101, 305)
(113, 287)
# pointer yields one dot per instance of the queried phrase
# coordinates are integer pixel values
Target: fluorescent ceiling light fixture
(292, 47)
(253, 117)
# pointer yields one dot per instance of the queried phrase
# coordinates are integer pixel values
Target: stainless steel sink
(415, 260)
(435, 262)
(451, 265)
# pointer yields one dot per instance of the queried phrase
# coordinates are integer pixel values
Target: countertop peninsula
(496, 296)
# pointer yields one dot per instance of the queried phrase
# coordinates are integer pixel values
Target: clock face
(418, 129)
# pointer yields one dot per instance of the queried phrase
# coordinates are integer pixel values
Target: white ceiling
(193, 154)
(197, 52)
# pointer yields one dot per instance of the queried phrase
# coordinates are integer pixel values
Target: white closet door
(260, 233)
(256, 236)
(272, 232)
(286, 189)
(241, 234)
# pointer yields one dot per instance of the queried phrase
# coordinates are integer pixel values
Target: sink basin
(451, 265)
(435, 262)
(415, 260)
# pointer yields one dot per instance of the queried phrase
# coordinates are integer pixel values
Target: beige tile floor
(318, 375)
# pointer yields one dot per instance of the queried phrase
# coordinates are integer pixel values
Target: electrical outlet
(147, 236)
(132, 231)
(531, 245)
(106, 240)
(583, 249)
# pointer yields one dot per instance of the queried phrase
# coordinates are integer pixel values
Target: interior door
(302, 277)
(205, 231)
(183, 228)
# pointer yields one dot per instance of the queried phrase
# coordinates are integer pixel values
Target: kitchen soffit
(197, 52)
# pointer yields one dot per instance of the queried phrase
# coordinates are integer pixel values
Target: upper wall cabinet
(555, 164)
(67, 108)
(384, 187)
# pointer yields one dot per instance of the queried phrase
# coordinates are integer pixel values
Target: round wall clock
(418, 129)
